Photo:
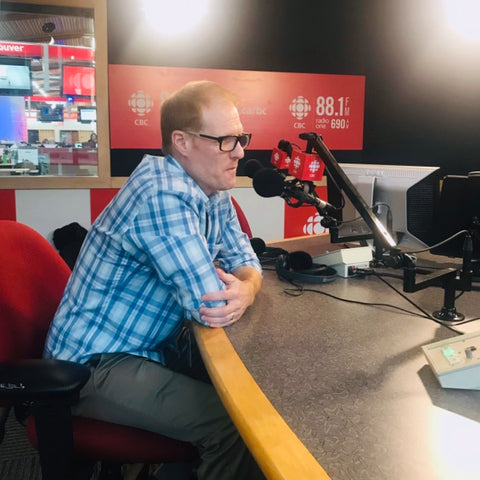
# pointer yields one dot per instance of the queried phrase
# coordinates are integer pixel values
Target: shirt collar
(174, 166)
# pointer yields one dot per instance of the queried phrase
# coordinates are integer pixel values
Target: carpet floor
(18, 459)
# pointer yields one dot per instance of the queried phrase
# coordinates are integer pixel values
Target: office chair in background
(32, 279)
(242, 218)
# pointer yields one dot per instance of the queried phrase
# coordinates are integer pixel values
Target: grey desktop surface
(352, 381)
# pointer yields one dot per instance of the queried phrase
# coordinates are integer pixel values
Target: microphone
(303, 166)
(282, 155)
(271, 183)
(286, 146)
(306, 166)
(280, 159)
(251, 167)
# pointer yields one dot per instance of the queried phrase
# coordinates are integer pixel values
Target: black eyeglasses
(228, 143)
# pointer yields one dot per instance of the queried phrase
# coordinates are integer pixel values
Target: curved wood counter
(278, 451)
(321, 388)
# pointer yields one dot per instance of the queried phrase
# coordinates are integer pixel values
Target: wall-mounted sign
(274, 105)
(37, 50)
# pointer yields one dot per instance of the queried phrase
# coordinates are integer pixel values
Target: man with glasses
(168, 250)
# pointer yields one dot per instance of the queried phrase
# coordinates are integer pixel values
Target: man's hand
(241, 288)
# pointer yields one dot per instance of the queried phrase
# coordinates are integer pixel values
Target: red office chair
(32, 280)
(242, 219)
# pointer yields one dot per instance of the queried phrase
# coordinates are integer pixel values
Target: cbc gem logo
(300, 107)
(140, 103)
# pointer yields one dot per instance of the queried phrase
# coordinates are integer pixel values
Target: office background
(421, 101)
(422, 97)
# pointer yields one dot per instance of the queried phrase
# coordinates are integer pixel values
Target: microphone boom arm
(382, 237)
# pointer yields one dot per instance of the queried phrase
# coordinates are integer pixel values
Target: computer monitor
(459, 209)
(50, 113)
(402, 197)
(87, 114)
(15, 76)
(78, 80)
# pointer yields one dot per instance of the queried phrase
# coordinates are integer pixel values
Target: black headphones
(299, 266)
(266, 255)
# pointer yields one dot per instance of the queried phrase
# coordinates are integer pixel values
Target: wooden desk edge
(313, 244)
(277, 450)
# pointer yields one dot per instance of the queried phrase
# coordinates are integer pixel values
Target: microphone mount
(450, 279)
(299, 186)
(382, 239)
(303, 191)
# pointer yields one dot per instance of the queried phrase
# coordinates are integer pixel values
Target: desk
(348, 382)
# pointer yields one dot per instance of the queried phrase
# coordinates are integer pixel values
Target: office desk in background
(349, 382)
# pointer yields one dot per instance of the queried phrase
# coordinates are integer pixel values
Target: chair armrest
(49, 387)
(42, 380)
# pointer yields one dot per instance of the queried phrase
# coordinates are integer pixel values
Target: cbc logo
(314, 166)
(296, 163)
(140, 103)
(300, 108)
(313, 225)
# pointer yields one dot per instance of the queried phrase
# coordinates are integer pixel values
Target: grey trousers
(134, 391)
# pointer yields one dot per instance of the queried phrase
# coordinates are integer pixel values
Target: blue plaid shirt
(145, 264)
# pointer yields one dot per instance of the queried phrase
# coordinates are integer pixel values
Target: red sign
(78, 81)
(71, 54)
(35, 50)
(21, 49)
(274, 105)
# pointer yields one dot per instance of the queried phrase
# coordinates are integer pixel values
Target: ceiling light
(176, 17)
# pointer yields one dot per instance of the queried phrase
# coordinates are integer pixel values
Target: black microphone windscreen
(258, 245)
(268, 183)
(286, 146)
(300, 260)
(251, 167)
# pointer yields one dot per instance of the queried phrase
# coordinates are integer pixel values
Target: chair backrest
(32, 279)
(242, 218)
